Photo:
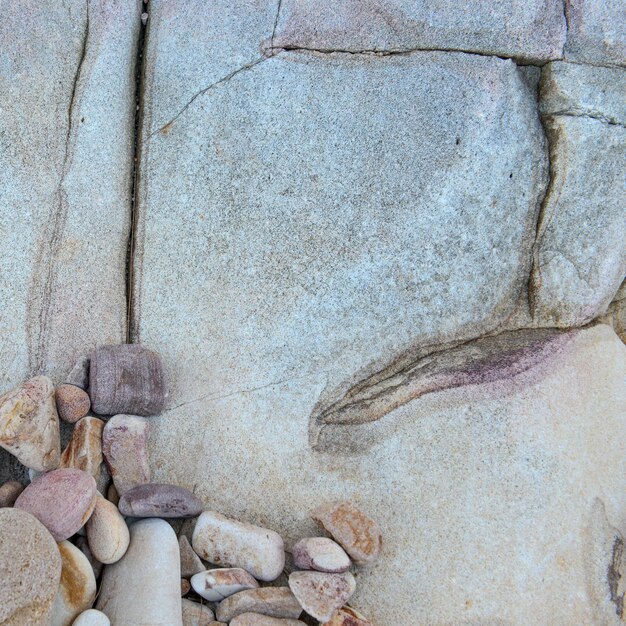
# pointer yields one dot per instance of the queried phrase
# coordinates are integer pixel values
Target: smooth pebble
(272, 601)
(107, 532)
(321, 554)
(216, 584)
(73, 403)
(195, 614)
(91, 617)
(159, 500)
(9, 493)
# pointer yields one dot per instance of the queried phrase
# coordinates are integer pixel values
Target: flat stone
(596, 32)
(31, 569)
(9, 492)
(62, 500)
(217, 584)
(321, 594)
(149, 570)
(584, 90)
(229, 543)
(272, 601)
(29, 424)
(77, 589)
(79, 374)
(255, 619)
(124, 441)
(347, 616)
(107, 532)
(531, 31)
(68, 107)
(190, 562)
(84, 451)
(358, 534)
(580, 261)
(126, 378)
(91, 617)
(195, 614)
(72, 403)
(320, 553)
(159, 500)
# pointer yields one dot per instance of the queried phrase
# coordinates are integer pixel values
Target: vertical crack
(140, 65)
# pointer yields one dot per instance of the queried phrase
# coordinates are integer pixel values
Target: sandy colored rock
(159, 500)
(107, 532)
(196, 614)
(72, 403)
(31, 569)
(321, 594)
(79, 374)
(62, 500)
(149, 570)
(272, 601)
(124, 441)
(229, 543)
(217, 584)
(358, 534)
(126, 378)
(347, 616)
(185, 587)
(9, 492)
(255, 619)
(29, 424)
(77, 589)
(320, 553)
(84, 451)
(190, 562)
(91, 617)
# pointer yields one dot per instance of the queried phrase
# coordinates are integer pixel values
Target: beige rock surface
(84, 451)
(107, 532)
(272, 601)
(196, 614)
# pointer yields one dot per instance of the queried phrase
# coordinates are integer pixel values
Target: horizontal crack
(593, 115)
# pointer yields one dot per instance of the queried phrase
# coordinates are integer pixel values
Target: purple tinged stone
(159, 500)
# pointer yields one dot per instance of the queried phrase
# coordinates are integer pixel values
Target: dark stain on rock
(614, 575)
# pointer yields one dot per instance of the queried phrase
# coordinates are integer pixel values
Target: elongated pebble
(216, 584)
(272, 601)
(229, 543)
(107, 532)
(321, 554)
(91, 617)
(9, 493)
(159, 500)
(321, 594)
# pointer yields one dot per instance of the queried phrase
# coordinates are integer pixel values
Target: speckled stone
(31, 569)
(79, 374)
(9, 492)
(84, 450)
(158, 500)
(91, 617)
(73, 403)
(321, 594)
(126, 378)
(62, 500)
(196, 614)
(216, 584)
(256, 619)
(321, 554)
(107, 532)
(272, 601)
(29, 424)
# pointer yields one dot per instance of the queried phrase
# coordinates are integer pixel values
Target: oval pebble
(107, 532)
(73, 403)
(159, 500)
(321, 554)
(62, 500)
(272, 601)
(256, 619)
(229, 543)
(9, 493)
(91, 617)
(216, 584)
(185, 586)
(195, 614)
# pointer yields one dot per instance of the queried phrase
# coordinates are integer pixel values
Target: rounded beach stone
(195, 614)
(185, 586)
(272, 601)
(91, 617)
(62, 500)
(321, 554)
(159, 500)
(31, 569)
(256, 619)
(358, 534)
(9, 493)
(126, 378)
(144, 586)
(77, 589)
(107, 532)
(229, 543)
(347, 616)
(73, 403)
(29, 424)
(216, 584)
(321, 594)
(190, 562)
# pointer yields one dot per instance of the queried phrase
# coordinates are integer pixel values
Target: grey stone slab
(67, 99)
(531, 31)
(575, 89)
(581, 259)
(596, 32)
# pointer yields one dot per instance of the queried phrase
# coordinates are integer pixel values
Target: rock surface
(347, 616)
(77, 589)
(190, 562)
(321, 594)
(158, 500)
(31, 569)
(124, 446)
(91, 617)
(320, 553)
(150, 569)
(255, 619)
(29, 424)
(79, 374)
(272, 601)
(580, 261)
(62, 500)
(82, 544)
(9, 492)
(84, 451)
(229, 543)
(107, 532)
(195, 614)
(126, 379)
(72, 403)
(217, 584)
(533, 30)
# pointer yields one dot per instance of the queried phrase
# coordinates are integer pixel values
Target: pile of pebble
(91, 514)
